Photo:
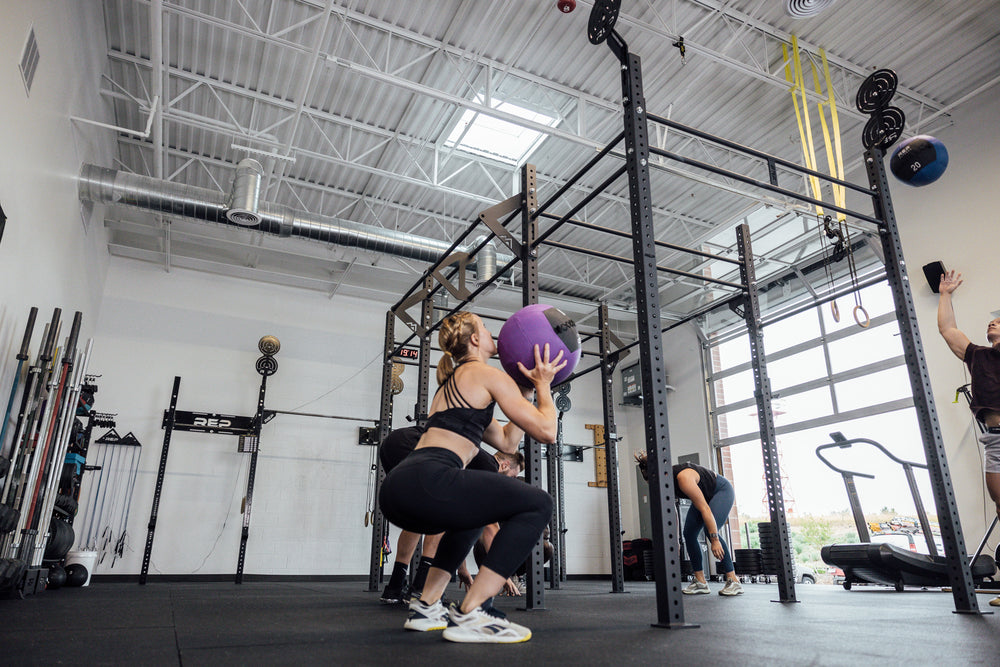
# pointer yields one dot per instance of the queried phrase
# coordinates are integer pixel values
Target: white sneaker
(424, 618)
(483, 626)
(732, 588)
(696, 588)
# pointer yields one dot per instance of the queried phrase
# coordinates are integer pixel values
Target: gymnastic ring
(835, 311)
(867, 322)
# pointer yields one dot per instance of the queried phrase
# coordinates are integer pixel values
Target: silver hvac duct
(245, 199)
(486, 262)
(110, 186)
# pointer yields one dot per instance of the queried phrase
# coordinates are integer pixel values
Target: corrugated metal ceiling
(347, 104)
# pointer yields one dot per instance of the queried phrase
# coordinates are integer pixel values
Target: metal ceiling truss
(608, 109)
(760, 42)
(427, 157)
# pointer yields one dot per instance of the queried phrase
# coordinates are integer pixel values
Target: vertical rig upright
(424, 363)
(765, 417)
(666, 555)
(608, 364)
(535, 596)
(959, 570)
(253, 439)
(553, 470)
(380, 527)
(421, 406)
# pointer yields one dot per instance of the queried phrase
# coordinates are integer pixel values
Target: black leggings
(430, 492)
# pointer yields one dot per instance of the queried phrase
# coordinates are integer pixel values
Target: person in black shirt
(712, 497)
(984, 369)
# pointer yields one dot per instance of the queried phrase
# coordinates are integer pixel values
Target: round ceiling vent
(803, 9)
(244, 218)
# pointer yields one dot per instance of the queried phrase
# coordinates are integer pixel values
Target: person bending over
(984, 370)
(712, 497)
(431, 491)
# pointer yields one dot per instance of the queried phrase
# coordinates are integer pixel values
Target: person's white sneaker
(424, 618)
(732, 588)
(483, 626)
(696, 588)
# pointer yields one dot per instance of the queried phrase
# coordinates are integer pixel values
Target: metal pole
(21, 357)
(608, 364)
(380, 527)
(957, 563)
(765, 416)
(553, 454)
(535, 596)
(168, 430)
(666, 566)
(254, 438)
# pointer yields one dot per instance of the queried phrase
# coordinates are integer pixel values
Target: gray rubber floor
(323, 623)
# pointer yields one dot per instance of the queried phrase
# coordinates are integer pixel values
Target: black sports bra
(460, 417)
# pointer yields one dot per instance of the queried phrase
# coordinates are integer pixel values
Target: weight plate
(884, 128)
(267, 365)
(563, 404)
(269, 345)
(603, 17)
(876, 91)
(397, 385)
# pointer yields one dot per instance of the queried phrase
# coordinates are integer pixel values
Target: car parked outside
(914, 542)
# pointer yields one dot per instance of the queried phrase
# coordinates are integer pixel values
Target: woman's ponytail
(453, 339)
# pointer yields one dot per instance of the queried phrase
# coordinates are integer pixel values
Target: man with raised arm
(984, 369)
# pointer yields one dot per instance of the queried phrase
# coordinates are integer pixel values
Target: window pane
(802, 407)
(791, 331)
(867, 346)
(872, 389)
(734, 389)
(810, 487)
(733, 353)
(796, 369)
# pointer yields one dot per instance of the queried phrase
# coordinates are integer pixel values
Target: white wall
(310, 494)
(955, 220)
(51, 255)
(312, 478)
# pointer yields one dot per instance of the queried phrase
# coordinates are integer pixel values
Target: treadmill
(882, 563)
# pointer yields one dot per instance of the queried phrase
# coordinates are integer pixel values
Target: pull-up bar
(761, 184)
(269, 414)
(625, 235)
(767, 157)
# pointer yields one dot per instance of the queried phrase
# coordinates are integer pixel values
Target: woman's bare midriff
(439, 437)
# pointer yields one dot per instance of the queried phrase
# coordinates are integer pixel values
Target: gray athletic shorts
(991, 447)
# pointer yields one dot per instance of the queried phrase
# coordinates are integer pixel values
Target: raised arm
(539, 420)
(947, 326)
(507, 437)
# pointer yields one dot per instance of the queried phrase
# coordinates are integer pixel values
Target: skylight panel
(498, 139)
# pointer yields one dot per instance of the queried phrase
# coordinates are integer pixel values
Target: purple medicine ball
(538, 324)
